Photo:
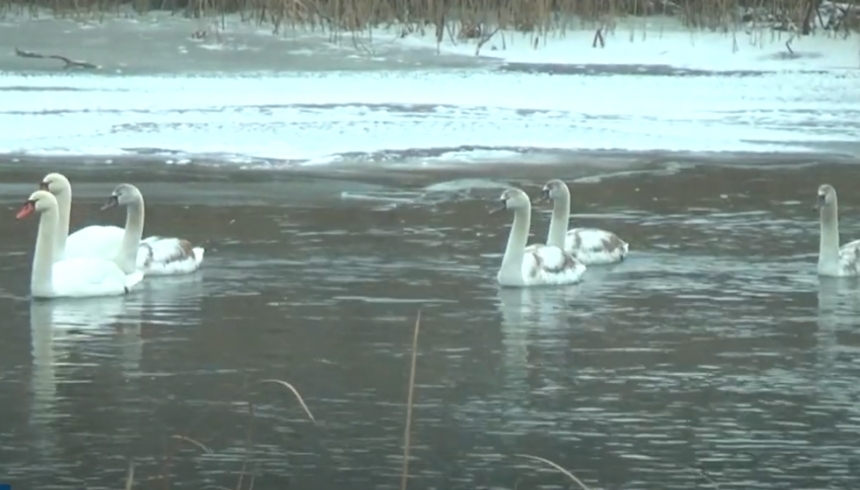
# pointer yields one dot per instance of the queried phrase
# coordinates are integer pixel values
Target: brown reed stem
(249, 437)
(407, 431)
(559, 468)
(129, 479)
(166, 464)
(295, 392)
(537, 17)
(187, 439)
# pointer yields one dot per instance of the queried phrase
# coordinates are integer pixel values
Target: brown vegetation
(476, 19)
(164, 477)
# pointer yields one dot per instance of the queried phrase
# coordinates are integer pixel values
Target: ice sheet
(437, 113)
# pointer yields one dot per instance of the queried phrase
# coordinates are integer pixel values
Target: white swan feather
(591, 246)
(535, 265)
(834, 260)
(167, 256)
(73, 277)
(155, 255)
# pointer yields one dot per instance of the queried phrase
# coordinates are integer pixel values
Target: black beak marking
(820, 203)
(111, 202)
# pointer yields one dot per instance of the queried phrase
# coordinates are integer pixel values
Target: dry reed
(407, 431)
(296, 393)
(406, 435)
(200, 445)
(557, 467)
(129, 479)
(473, 19)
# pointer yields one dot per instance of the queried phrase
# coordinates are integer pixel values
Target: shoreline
(252, 99)
(607, 158)
(800, 16)
(125, 42)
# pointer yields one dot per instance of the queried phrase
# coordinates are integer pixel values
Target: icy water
(714, 347)
(339, 193)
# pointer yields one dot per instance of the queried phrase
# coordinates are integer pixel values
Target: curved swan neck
(41, 279)
(134, 216)
(560, 217)
(829, 245)
(515, 250)
(64, 206)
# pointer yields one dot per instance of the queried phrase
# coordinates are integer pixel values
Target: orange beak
(26, 210)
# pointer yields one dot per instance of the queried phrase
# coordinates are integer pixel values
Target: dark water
(714, 348)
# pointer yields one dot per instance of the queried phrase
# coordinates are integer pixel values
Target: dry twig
(295, 392)
(406, 432)
(559, 468)
(69, 63)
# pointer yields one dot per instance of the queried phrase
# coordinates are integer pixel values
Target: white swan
(76, 277)
(591, 246)
(156, 255)
(539, 265)
(90, 241)
(833, 260)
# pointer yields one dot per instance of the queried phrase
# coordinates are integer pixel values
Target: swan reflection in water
(63, 327)
(838, 313)
(172, 300)
(533, 317)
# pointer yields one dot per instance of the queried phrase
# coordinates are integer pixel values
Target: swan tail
(625, 247)
(198, 255)
(579, 269)
(132, 280)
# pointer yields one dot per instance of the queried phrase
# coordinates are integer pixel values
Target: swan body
(591, 246)
(73, 277)
(536, 265)
(834, 260)
(154, 255)
(92, 241)
(162, 256)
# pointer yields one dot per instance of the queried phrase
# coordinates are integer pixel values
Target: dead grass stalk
(468, 19)
(296, 393)
(408, 430)
(557, 467)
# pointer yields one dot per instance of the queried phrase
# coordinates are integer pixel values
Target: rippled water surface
(714, 348)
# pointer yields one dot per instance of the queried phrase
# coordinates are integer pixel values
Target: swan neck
(41, 280)
(829, 245)
(134, 216)
(512, 262)
(64, 206)
(558, 222)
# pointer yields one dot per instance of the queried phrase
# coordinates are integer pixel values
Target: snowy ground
(662, 41)
(246, 95)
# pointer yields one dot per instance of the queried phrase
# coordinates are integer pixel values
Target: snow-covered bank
(332, 116)
(393, 98)
(662, 41)
(158, 42)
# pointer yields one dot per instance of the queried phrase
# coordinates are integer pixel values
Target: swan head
(512, 199)
(55, 183)
(123, 195)
(39, 202)
(826, 197)
(554, 189)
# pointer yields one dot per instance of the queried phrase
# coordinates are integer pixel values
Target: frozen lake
(253, 98)
(339, 186)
